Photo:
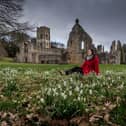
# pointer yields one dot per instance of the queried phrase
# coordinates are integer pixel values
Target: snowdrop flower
(64, 83)
(108, 72)
(81, 92)
(56, 94)
(84, 99)
(121, 86)
(119, 77)
(70, 93)
(81, 86)
(77, 89)
(109, 78)
(63, 95)
(59, 86)
(99, 76)
(90, 92)
(54, 90)
(78, 99)
(71, 79)
(49, 91)
(112, 81)
(94, 84)
(42, 100)
(46, 72)
(87, 110)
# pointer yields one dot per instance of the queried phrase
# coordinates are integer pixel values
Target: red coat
(91, 66)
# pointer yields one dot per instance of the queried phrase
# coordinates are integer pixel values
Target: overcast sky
(104, 20)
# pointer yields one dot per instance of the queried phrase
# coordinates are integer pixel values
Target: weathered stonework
(124, 54)
(3, 52)
(40, 50)
(117, 54)
(43, 38)
(103, 56)
(76, 38)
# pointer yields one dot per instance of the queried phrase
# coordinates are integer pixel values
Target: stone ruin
(3, 52)
(78, 43)
(40, 50)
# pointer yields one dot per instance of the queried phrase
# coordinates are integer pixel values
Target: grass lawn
(8, 62)
(44, 67)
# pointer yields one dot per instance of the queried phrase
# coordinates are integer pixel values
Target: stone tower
(100, 49)
(43, 37)
(78, 43)
(124, 54)
(113, 47)
(115, 52)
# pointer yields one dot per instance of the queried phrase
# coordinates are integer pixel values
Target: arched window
(41, 36)
(25, 48)
(71, 43)
(82, 45)
(47, 37)
(26, 59)
(41, 45)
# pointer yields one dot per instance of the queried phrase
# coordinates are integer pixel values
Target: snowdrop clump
(60, 95)
(80, 93)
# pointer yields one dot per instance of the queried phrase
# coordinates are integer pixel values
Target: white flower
(109, 78)
(42, 100)
(64, 95)
(70, 93)
(71, 79)
(54, 90)
(84, 99)
(112, 81)
(49, 91)
(81, 86)
(59, 86)
(94, 84)
(87, 110)
(78, 98)
(64, 83)
(77, 89)
(46, 72)
(121, 86)
(55, 94)
(90, 92)
(108, 72)
(81, 92)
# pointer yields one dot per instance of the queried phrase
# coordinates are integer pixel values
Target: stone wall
(74, 44)
(3, 52)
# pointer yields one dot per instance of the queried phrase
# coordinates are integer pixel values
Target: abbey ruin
(78, 38)
(42, 50)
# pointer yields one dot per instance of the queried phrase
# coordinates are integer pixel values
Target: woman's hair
(93, 52)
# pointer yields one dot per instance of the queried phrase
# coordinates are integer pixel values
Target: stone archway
(74, 44)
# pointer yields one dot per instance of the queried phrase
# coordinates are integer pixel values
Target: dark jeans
(74, 70)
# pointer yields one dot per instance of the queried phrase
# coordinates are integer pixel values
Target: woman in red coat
(90, 65)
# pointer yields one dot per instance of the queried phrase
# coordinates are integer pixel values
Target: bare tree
(10, 12)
